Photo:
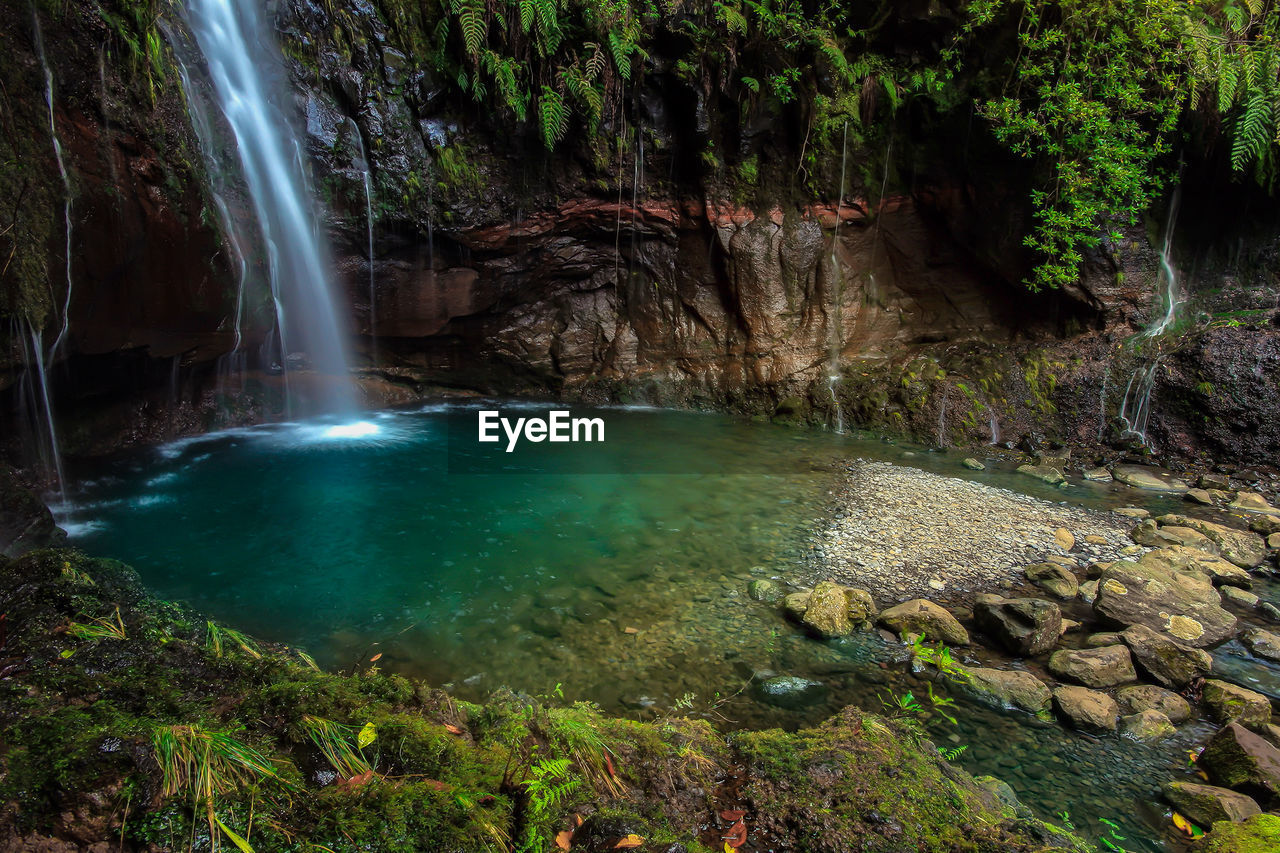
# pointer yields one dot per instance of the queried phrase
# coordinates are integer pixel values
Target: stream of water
(628, 583)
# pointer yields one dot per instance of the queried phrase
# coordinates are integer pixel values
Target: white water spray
(833, 342)
(35, 359)
(237, 45)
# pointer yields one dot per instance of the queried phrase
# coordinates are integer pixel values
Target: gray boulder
(1229, 703)
(1148, 479)
(1104, 667)
(1205, 805)
(1242, 547)
(790, 692)
(1087, 710)
(1263, 644)
(1008, 688)
(1170, 663)
(1146, 726)
(1162, 593)
(1236, 757)
(1054, 579)
(1137, 698)
(1024, 626)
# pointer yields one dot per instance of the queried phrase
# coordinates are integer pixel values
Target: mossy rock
(1258, 834)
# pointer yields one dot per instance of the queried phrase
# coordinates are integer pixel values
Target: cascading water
(237, 47)
(33, 355)
(1135, 408)
(66, 184)
(833, 337)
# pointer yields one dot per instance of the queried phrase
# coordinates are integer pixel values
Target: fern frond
(471, 20)
(553, 114)
(1252, 131)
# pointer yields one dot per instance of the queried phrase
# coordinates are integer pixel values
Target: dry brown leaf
(374, 659)
(563, 839)
(452, 729)
(577, 820)
(629, 842)
(356, 781)
(737, 835)
(732, 815)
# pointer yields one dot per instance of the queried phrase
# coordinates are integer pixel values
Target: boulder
(1242, 547)
(1146, 725)
(1024, 626)
(1137, 698)
(1054, 579)
(1266, 524)
(1148, 479)
(1148, 533)
(1258, 834)
(1009, 688)
(1237, 758)
(1132, 512)
(796, 603)
(1087, 710)
(1269, 610)
(1262, 643)
(827, 611)
(790, 692)
(1167, 661)
(1188, 538)
(1220, 482)
(1089, 591)
(1205, 805)
(973, 464)
(919, 616)
(862, 607)
(1199, 496)
(1065, 538)
(1228, 703)
(1218, 570)
(1098, 475)
(1157, 592)
(1046, 473)
(1104, 667)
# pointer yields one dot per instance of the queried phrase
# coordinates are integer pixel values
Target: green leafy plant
(335, 743)
(548, 787)
(102, 628)
(219, 637)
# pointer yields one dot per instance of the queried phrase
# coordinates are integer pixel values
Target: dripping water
(1135, 409)
(366, 171)
(873, 293)
(66, 185)
(942, 415)
(33, 356)
(833, 342)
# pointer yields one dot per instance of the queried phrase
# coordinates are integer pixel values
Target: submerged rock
(920, 616)
(1086, 709)
(1167, 661)
(791, 692)
(1008, 688)
(1137, 698)
(1157, 593)
(1045, 473)
(1146, 725)
(1024, 626)
(764, 589)
(1231, 703)
(973, 464)
(1205, 805)
(1104, 667)
(1236, 757)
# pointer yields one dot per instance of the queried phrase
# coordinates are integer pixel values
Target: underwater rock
(973, 464)
(1146, 725)
(1009, 688)
(790, 692)
(1087, 710)
(763, 589)
(1148, 479)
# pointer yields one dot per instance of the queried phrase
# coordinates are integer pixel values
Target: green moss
(1258, 834)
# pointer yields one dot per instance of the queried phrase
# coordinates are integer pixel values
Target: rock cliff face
(657, 277)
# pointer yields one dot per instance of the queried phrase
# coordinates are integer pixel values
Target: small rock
(791, 692)
(1137, 698)
(1214, 481)
(1098, 475)
(1205, 805)
(973, 464)
(1146, 725)
(1103, 667)
(1132, 512)
(1239, 596)
(1086, 709)
(1262, 643)
(764, 589)
(1231, 703)
(1270, 611)
(1046, 473)
(1094, 539)
(1105, 638)
(1066, 540)
(1199, 496)
(1054, 579)
(1024, 626)
(1273, 540)
(920, 616)
(1266, 525)
(1089, 591)
(827, 610)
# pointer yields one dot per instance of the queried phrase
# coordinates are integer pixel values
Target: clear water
(625, 588)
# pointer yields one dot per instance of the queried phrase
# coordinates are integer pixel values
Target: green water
(625, 585)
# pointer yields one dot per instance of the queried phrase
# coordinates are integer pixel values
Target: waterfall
(942, 416)
(1135, 409)
(833, 342)
(66, 185)
(873, 294)
(366, 172)
(33, 356)
(993, 424)
(236, 44)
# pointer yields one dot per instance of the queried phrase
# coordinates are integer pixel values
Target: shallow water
(624, 584)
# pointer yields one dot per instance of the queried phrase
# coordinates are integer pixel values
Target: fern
(621, 50)
(1252, 131)
(553, 115)
(732, 18)
(471, 19)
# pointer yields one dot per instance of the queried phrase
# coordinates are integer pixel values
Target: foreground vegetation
(133, 721)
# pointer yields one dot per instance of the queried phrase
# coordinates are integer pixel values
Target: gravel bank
(903, 533)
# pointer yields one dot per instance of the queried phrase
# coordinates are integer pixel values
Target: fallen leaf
(374, 659)
(608, 766)
(577, 820)
(737, 835)
(1187, 826)
(367, 735)
(356, 781)
(1202, 775)
(629, 842)
(564, 838)
(732, 815)
(727, 848)
(452, 729)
